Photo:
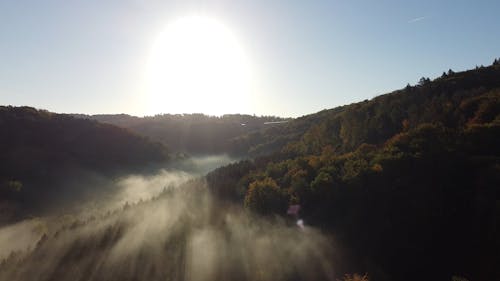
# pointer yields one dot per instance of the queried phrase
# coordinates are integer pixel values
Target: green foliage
(395, 192)
(454, 100)
(322, 181)
(408, 181)
(265, 197)
(231, 182)
(410, 177)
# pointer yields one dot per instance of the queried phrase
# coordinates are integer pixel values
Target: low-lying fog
(163, 227)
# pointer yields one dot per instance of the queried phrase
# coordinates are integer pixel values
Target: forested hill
(193, 133)
(454, 100)
(409, 181)
(41, 151)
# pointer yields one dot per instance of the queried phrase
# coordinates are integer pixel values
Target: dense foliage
(194, 133)
(408, 185)
(452, 100)
(409, 181)
(42, 151)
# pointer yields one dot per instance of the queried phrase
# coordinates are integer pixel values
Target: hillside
(453, 100)
(404, 187)
(194, 134)
(43, 156)
(409, 181)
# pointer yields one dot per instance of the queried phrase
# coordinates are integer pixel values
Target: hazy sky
(89, 56)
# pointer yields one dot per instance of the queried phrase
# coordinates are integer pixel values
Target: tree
(322, 181)
(265, 197)
(405, 125)
(423, 81)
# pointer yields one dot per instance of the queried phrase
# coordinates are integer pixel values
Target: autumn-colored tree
(386, 168)
(323, 180)
(405, 124)
(265, 197)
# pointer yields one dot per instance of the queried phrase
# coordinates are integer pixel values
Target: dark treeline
(43, 155)
(196, 134)
(408, 181)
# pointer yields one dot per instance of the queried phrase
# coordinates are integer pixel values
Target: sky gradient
(89, 56)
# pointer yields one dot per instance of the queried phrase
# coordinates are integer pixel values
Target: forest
(405, 186)
(42, 153)
(408, 178)
(193, 134)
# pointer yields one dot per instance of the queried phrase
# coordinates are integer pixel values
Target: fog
(20, 236)
(204, 164)
(88, 192)
(165, 226)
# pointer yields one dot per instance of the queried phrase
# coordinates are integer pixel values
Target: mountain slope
(409, 181)
(40, 152)
(453, 100)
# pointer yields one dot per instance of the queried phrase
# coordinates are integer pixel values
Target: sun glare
(198, 66)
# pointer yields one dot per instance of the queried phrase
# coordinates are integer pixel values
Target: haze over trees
(196, 134)
(409, 181)
(404, 187)
(42, 153)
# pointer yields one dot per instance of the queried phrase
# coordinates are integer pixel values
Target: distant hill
(408, 181)
(40, 152)
(196, 134)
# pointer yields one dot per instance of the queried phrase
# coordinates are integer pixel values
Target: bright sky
(93, 56)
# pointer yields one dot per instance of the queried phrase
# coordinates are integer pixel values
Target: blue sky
(89, 56)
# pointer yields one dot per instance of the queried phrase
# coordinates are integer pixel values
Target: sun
(198, 66)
